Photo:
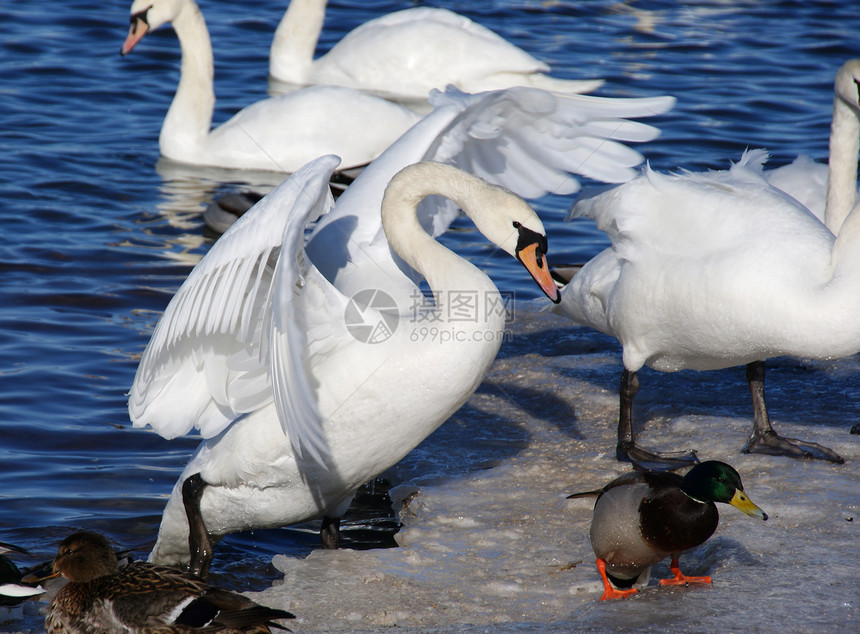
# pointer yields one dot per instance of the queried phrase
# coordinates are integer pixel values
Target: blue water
(96, 236)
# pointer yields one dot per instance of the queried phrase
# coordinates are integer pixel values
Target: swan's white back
(407, 54)
(713, 270)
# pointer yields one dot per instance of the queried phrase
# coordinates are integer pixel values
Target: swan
(527, 140)
(277, 134)
(829, 191)
(302, 393)
(784, 254)
(714, 270)
(406, 54)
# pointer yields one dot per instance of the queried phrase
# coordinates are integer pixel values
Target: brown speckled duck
(640, 518)
(142, 598)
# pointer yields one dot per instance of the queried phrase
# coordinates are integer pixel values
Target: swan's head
(509, 222)
(847, 85)
(530, 250)
(502, 216)
(148, 15)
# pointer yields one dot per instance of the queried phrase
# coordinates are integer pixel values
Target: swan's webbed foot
(770, 443)
(764, 439)
(330, 533)
(646, 460)
(199, 541)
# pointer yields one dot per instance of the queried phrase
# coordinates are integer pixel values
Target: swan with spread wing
(254, 349)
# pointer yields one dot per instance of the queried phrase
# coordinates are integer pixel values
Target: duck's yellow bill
(741, 502)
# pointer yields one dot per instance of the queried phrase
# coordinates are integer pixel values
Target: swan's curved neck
(446, 273)
(186, 125)
(835, 335)
(842, 173)
(294, 43)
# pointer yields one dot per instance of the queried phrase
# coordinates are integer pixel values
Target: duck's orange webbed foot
(610, 591)
(680, 578)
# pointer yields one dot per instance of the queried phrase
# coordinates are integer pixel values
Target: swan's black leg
(627, 450)
(199, 542)
(330, 533)
(764, 439)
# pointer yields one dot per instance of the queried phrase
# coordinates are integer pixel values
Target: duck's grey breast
(615, 534)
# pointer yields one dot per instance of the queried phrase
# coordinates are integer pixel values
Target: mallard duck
(103, 596)
(642, 517)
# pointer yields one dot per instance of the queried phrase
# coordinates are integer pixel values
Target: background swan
(298, 411)
(406, 54)
(714, 270)
(829, 191)
(278, 134)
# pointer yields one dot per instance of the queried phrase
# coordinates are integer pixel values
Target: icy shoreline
(490, 543)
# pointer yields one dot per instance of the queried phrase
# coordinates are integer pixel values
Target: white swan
(300, 400)
(406, 54)
(277, 134)
(714, 270)
(829, 191)
(525, 139)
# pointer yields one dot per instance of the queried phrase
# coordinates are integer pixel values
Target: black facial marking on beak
(531, 252)
(528, 237)
(140, 15)
(139, 27)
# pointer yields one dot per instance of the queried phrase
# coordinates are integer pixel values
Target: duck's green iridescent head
(715, 481)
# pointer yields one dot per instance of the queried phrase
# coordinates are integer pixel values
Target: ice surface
(490, 543)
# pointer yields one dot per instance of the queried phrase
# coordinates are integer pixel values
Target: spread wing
(241, 330)
(524, 139)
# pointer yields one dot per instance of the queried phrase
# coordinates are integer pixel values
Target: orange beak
(139, 27)
(535, 262)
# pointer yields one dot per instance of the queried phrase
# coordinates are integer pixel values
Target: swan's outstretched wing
(233, 333)
(530, 141)
(534, 142)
